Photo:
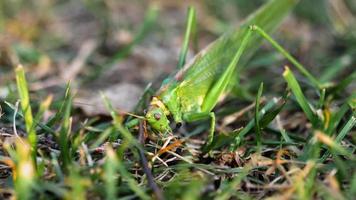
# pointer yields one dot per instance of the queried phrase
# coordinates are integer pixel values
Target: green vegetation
(277, 120)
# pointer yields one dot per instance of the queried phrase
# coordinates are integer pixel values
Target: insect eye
(157, 116)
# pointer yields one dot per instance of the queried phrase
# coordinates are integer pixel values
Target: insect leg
(287, 55)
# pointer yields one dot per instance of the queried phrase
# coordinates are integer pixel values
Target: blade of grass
(333, 145)
(190, 27)
(26, 110)
(102, 137)
(352, 101)
(58, 116)
(343, 83)
(193, 190)
(25, 171)
(110, 174)
(77, 183)
(336, 118)
(272, 114)
(56, 166)
(283, 131)
(257, 122)
(346, 129)
(43, 108)
(63, 137)
(297, 91)
(352, 190)
(321, 99)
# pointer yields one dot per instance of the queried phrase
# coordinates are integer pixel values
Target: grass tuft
(190, 30)
(26, 110)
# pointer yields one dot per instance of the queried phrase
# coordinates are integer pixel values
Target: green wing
(198, 76)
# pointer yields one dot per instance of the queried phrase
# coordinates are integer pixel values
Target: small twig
(14, 121)
(162, 161)
(152, 184)
(14, 118)
(268, 187)
(88, 156)
(166, 148)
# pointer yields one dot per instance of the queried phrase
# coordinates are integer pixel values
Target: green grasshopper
(192, 93)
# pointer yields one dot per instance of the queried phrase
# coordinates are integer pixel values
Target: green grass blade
(352, 189)
(346, 129)
(77, 183)
(43, 107)
(346, 81)
(58, 116)
(190, 27)
(286, 136)
(26, 109)
(63, 137)
(26, 172)
(56, 167)
(321, 99)
(257, 121)
(336, 118)
(334, 146)
(352, 101)
(110, 174)
(297, 91)
(102, 137)
(271, 115)
(193, 190)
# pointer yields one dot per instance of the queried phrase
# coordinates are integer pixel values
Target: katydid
(194, 91)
